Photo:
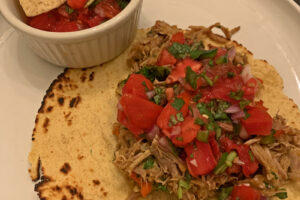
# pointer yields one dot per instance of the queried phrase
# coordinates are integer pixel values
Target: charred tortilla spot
(60, 87)
(83, 69)
(91, 77)
(83, 77)
(69, 122)
(74, 102)
(65, 168)
(49, 109)
(102, 189)
(79, 157)
(105, 194)
(80, 196)
(72, 190)
(51, 95)
(36, 120)
(64, 198)
(96, 182)
(61, 101)
(45, 125)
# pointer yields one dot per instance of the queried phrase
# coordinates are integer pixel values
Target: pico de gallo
(75, 15)
(190, 125)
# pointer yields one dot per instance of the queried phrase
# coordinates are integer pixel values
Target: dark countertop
(297, 1)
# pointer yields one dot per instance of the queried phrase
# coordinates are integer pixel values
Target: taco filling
(189, 123)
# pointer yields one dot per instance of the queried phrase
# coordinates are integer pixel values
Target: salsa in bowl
(75, 15)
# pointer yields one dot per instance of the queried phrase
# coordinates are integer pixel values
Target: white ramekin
(78, 49)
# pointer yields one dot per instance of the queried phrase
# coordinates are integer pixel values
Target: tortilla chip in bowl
(73, 148)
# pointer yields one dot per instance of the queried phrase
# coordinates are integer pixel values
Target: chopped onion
(246, 73)
(119, 106)
(152, 133)
(150, 94)
(243, 133)
(238, 161)
(233, 109)
(231, 54)
(194, 162)
(175, 131)
(238, 115)
(164, 143)
(100, 11)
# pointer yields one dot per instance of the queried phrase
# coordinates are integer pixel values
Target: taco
(176, 136)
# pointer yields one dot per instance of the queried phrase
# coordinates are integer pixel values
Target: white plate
(270, 29)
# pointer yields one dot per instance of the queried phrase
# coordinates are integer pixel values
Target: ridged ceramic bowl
(78, 49)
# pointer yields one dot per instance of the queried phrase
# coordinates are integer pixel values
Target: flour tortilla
(73, 145)
(36, 7)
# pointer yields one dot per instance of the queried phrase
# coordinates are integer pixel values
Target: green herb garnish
(281, 195)
(251, 156)
(196, 98)
(203, 136)
(155, 72)
(230, 74)
(191, 77)
(269, 139)
(225, 193)
(199, 121)
(180, 117)
(221, 60)
(179, 51)
(244, 103)
(122, 3)
(236, 95)
(178, 103)
(204, 54)
(207, 79)
(173, 120)
(148, 164)
(69, 10)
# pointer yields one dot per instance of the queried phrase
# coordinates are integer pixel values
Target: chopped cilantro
(191, 77)
(197, 46)
(187, 176)
(196, 98)
(159, 96)
(204, 54)
(218, 133)
(211, 63)
(203, 110)
(236, 128)
(154, 72)
(225, 192)
(191, 110)
(269, 139)
(161, 187)
(173, 120)
(221, 60)
(244, 103)
(199, 121)
(275, 175)
(178, 103)
(192, 155)
(247, 115)
(122, 3)
(230, 74)
(207, 79)
(281, 195)
(184, 184)
(251, 156)
(210, 126)
(149, 162)
(69, 10)
(180, 117)
(145, 85)
(179, 138)
(236, 95)
(203, 136)
(95, 3)
(221, 167)
(178, 50)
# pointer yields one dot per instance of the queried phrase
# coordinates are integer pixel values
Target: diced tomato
(215, 148)
(178, 37)
(258, 123)
(44, 21)
(251, 164)
(166, 58)
(95, 21)
(65, 26)
(234, 169)
(164, 117)
(76, 4)
(244, 192)
(137, 85)
(107, 9)
(179, 71)
(200, 159)
(137, 114)
(250, 88)
(170, 93)
(146, 187)
(278, 133)
(221, 52)
(188, 132)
